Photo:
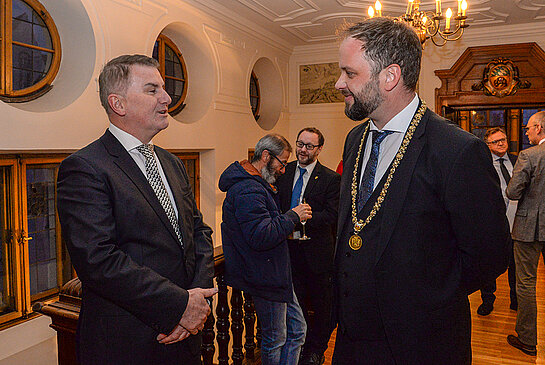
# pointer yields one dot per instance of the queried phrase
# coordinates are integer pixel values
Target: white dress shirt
(306, 176)
(130, 143)
(391, 143)
(511, 205)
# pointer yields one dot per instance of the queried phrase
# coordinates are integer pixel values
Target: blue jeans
(283, 330)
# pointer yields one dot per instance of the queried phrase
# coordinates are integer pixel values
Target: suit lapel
(313, 180)
(397, 192)
(126, 164)
(349, 160)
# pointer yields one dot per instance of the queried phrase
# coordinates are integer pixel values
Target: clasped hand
(193, 318)
(304, 211)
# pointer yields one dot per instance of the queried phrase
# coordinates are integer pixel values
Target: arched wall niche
(201, 76)
(78, 57)
(271, 92)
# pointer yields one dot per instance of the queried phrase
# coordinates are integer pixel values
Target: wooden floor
(489, 336)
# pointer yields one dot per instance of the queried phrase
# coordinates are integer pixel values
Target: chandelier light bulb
(371, 12)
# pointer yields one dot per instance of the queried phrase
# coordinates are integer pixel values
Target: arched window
(173, 70)
(255, 97)
(30, 50)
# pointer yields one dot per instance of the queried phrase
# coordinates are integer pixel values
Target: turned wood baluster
(222, 324)
(236, 326)
(249, 325)
(207, 348)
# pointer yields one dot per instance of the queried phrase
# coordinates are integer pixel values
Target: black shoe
(312, 359)
(516, 343)
(514, 306)
(485, 309)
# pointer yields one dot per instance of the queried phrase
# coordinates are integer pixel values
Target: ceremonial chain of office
(355, 242)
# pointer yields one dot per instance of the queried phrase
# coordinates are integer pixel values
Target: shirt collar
(542, 141)
(496, 157)
(400, 122)
(128, 141)
(309, 167)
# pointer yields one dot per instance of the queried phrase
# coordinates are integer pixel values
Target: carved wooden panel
(469, 70)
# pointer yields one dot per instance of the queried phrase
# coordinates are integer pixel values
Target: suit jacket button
(345, 294)
(347, 254)
(345, 274)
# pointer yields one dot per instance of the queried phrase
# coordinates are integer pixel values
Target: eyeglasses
(528, 127)
(308, 146)
(498, 141)
(277, 159)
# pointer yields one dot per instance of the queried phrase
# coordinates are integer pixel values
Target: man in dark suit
(135, 236)
(421, 218)
(312, 260)
(496, 139)
(528, 187)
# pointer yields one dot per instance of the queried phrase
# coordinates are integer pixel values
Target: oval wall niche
(201, 78)
(270, 90)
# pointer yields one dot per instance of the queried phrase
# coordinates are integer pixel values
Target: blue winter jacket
(254, 234)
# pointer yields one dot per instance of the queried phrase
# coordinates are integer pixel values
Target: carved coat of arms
(500, 78)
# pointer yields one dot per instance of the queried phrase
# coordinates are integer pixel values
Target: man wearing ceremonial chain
(421, 219)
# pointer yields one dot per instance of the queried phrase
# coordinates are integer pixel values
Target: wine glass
(304, 237)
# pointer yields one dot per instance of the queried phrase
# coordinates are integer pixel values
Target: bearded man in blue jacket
(254, 234)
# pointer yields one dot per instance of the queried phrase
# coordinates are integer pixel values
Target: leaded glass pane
(174, 88)
(178, 70)
(7, 287)
(169, 61)
(21, 11)
(22, 31)
(29, 66)
(28, 27)
(497, 118)
(42, 228)
(41, 37)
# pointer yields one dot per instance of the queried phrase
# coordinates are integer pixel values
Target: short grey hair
(387, 41)
(116, 74)
(274, 143)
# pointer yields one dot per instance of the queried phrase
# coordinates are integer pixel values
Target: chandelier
(431, 25)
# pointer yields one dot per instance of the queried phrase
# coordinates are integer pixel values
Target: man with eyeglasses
(312, 260)
(496, 139)
(527, 185)
(254, 233)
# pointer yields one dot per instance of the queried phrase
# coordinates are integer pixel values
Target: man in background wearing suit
(312, 260)
(496, 139)
(528, 187)
(412, 240)
(133, 230)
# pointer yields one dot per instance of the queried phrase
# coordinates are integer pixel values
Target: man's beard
(306, 160)
(268, 173)
(365, 102)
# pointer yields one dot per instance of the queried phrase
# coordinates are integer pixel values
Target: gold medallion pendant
(355, 242)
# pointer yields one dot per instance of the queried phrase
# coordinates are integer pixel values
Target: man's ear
(117, 104)
(391, 76)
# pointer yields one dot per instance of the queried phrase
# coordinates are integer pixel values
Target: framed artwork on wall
(317, 83)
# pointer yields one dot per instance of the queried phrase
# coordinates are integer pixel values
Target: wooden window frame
(19, 242)
(258, 96)
(162, 41)
(6, 53)
(195, 156)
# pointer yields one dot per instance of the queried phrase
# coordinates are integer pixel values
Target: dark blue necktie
(296, 193)
(368, 179)
(504, 171)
